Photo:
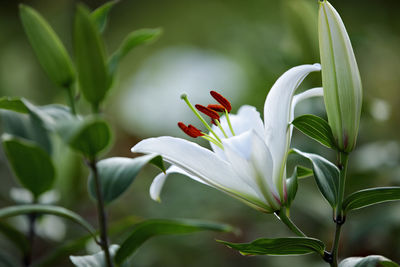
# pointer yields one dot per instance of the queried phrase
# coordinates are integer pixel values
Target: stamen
(185, 98)
(209, 112)
(220, 127)
(229, 122)
(190, 130)
(212, 140)
(222, 100)
(216, 107)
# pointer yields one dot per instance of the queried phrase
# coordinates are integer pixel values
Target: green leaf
(155, 227)
(50, 115)
(46, 209)
(326, 175)
(371, 196)
(138, 37)
(13, 104)
(369, 261)
(316, 128)
(94, 79)
(100, 15)
(30, 163)
(89, 136)
(49, 50)
(279, 246)
(15, 236)
(303, 172)
(27, 126)
(23, 119)
(97, 259)
(292, 185)
(117, 174)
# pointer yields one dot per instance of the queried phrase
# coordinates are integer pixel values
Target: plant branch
(101, 214)
(339, 217)
(71, 99)
(31, 236)
(281, 214)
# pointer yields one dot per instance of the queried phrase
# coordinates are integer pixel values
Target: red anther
(216, 107)
(209, 112)
(222, 100)
(194, 130)
(190, 130)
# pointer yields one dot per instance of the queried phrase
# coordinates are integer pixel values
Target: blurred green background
(238, 48)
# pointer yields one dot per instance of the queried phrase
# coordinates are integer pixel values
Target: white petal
(197, 161)
(246, 119)
(159, 180)
(252, 161)
(314, 92)
(277, 111)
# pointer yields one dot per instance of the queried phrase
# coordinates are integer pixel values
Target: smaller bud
(340, 78)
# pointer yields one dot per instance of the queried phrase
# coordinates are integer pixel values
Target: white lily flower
(248, 159)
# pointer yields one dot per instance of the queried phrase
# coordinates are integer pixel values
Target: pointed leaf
(100, 15)
(316, 128)
(15, 236)
(90, 58)
(89, 136)
(50, 115)
(13, 104)
(369, 261)
(23, 119)
(292, 185)
(303, 172)
(371, 196)
(117, 174)
(31, 164)
(279, 246)
(46, 209)
(150, 228)
(326, 175)
(138, 37)
(49, 50)
(27, 126)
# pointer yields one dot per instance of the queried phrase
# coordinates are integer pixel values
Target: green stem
(289, 223)
(71, 99)
(343, 160)
(339, 216)
(31, 236)
(101, 214)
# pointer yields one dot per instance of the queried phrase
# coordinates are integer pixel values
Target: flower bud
(340, 78)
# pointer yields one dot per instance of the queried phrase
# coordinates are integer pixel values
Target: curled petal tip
(317, 65)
